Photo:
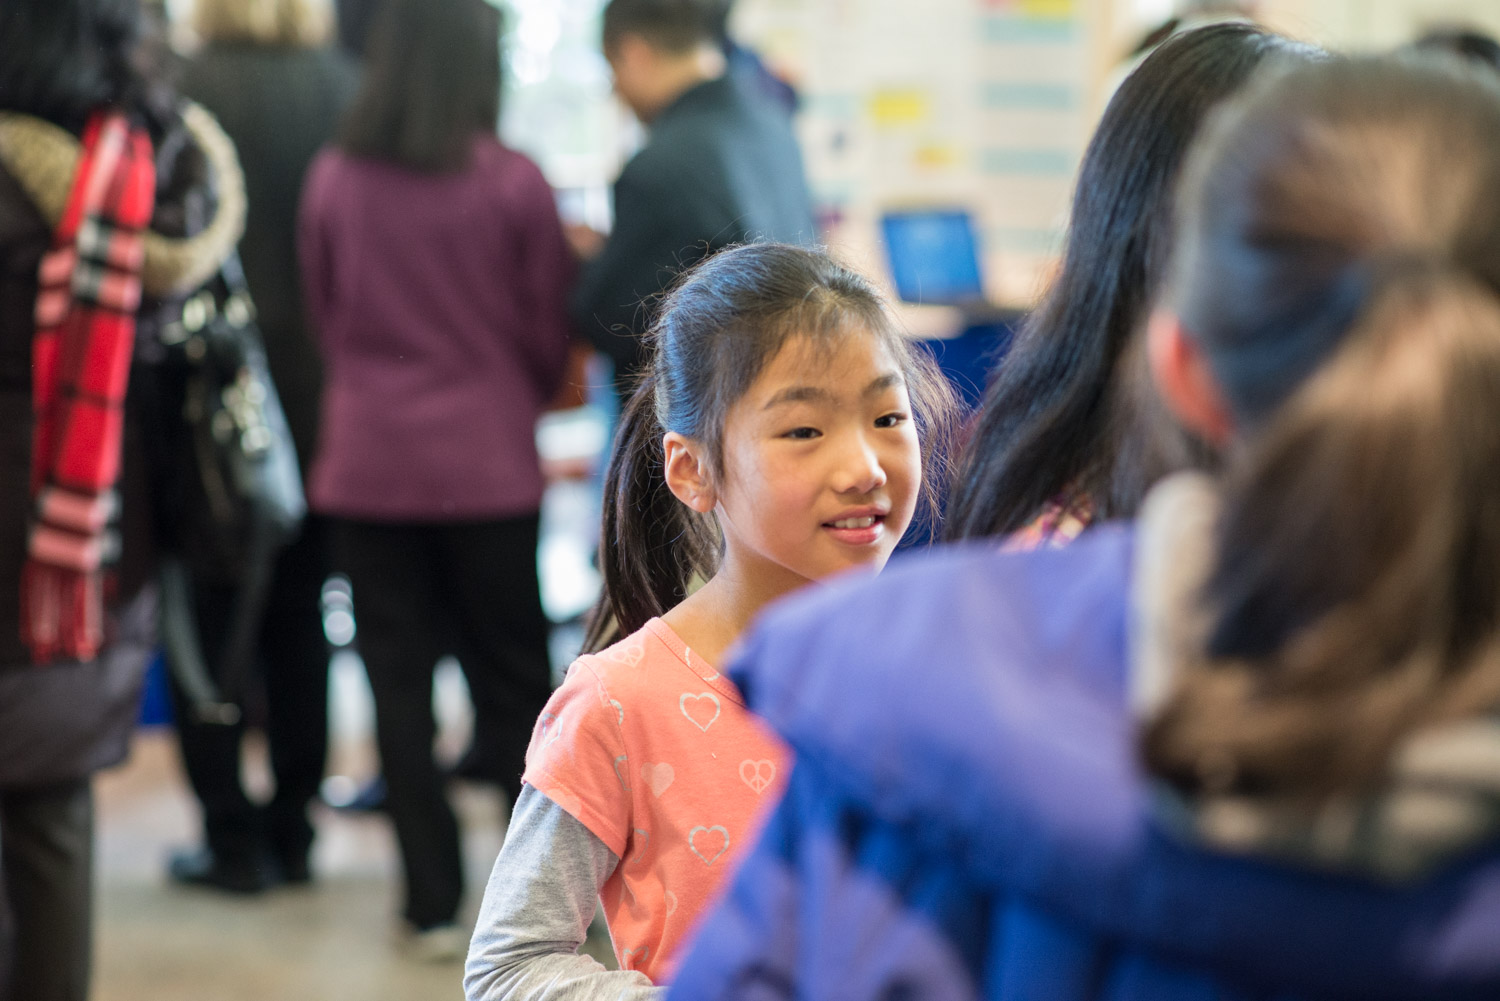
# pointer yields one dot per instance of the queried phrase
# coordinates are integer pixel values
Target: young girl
(1248, 747)
(780, 437)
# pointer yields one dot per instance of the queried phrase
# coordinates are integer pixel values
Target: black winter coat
(65, 721)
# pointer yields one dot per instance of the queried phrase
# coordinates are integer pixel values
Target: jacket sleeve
(832, 903)
(547, 274)
(313, 253)
(536, 913)
(610, 305)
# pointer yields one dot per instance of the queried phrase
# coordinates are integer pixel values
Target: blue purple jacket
(966, 820)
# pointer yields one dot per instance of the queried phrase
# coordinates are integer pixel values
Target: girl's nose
(860, 470)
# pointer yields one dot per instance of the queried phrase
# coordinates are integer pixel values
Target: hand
(586, 243)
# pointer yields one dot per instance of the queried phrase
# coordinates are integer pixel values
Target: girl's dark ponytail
(651, 546)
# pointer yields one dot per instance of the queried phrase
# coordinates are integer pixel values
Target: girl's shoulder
(642, 660)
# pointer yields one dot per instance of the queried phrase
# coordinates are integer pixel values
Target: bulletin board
(984, 104)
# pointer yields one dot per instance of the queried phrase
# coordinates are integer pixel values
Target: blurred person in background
(1069, 432)
(746, 62)
(117, 202)
(1246, 746)
(269, 74)
(1467, 43)
(720, 166)
(436, 274)
(354, 18)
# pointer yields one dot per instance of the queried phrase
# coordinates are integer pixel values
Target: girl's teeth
(865, 522)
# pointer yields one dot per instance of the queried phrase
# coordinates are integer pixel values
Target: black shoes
(201, 867)
(246, 877)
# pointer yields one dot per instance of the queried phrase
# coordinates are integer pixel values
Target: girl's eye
(891, 420)
(802, 434)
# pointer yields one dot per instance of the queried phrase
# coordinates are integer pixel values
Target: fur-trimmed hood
(43, 159)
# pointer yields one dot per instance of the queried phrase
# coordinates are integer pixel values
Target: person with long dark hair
(1065, 435)
(436, 274)
(786, 432)
(1247, 746)
(117, 202)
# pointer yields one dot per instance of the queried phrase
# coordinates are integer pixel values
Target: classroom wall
(984, 104)
(989, 104)
(1376, 24)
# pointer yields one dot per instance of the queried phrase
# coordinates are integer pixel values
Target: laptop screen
(934, 256)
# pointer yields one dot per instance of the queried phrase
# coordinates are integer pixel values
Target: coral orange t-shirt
(653, 750)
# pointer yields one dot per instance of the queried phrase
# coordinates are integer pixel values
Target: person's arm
(536, 913)
(313, 252)
(547, 273)
(637, 262)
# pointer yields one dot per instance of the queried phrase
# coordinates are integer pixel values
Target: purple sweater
(440, 304)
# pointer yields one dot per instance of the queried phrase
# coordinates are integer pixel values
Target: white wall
(914, 101)
(1376, 24)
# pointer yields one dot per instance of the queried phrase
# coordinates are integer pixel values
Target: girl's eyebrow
(804, 394)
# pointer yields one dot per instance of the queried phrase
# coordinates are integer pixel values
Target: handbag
(243, 499)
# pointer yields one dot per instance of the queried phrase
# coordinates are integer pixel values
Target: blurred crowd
(1205, 708)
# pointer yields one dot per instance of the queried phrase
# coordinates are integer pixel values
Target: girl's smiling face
(821, 465)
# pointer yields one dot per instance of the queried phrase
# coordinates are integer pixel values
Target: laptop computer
(934, 257)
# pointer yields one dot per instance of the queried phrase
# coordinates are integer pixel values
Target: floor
(336, 940)
(333, 941)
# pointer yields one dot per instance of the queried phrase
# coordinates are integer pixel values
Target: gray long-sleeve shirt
(541, 897)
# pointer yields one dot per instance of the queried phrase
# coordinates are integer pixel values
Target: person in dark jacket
(270, 76)
(1248, 747)
(73, 105)
(721, 166)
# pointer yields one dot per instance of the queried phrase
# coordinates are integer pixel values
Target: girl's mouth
(862, 530)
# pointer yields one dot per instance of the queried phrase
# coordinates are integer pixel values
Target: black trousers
(420, 592)
(46, 892)
(293, 656)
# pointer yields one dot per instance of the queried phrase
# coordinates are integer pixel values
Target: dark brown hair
(1465, 43)
(431, 84)
(1339, 264)
(674, 26)
(714, 334)
(1063, 414)
(62, 60)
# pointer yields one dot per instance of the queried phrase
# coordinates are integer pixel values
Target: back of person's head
(1061, 415)
(1466, 43)
(671, 26)
(716, 331)
(62, 59)
(1338, 267)
(721, 13)
(299, 23)
(431, 84)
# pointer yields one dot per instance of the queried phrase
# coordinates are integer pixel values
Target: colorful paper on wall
(980, 104)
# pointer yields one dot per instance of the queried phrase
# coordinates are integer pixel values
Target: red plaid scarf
(88, 292)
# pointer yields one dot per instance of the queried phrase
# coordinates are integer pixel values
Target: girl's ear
(687, 472)
(1185, 380)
